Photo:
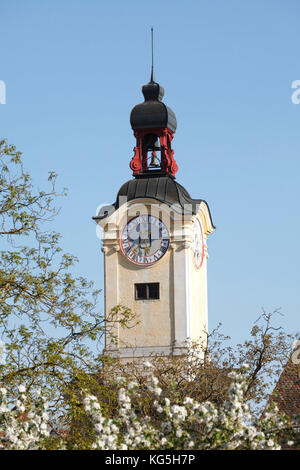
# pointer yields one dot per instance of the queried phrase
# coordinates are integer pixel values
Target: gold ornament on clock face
(198, 245)
(144, 240)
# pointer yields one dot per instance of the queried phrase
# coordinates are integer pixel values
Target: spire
(152, 68)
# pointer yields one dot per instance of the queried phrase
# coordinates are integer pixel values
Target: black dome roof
(152, 113)
(162, 188)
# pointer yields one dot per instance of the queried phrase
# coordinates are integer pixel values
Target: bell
(156, 145)
(154, 161)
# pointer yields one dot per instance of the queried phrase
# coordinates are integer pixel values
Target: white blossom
(147, 364)
(197, 425)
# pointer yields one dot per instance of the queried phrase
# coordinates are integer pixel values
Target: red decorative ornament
(139, 162)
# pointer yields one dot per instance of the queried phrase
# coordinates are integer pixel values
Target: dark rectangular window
(140, 291)
(147, 291)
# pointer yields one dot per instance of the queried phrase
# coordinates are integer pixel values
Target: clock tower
(155, 244)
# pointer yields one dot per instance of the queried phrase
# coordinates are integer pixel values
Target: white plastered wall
(160, 326)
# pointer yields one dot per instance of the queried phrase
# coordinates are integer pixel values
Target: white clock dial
(198, 245)
(144, 240)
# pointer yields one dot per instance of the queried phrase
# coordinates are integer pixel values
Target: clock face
(198, 245)
(145, 239)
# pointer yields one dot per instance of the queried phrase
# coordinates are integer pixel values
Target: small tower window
(148, 291)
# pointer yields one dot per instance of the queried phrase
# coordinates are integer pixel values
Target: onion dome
(152, 113)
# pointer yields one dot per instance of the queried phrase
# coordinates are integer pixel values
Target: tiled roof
(286, 394)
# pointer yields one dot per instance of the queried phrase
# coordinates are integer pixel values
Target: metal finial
(152, 68)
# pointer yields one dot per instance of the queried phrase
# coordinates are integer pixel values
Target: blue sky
(73, 71)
